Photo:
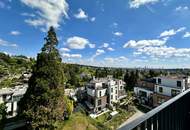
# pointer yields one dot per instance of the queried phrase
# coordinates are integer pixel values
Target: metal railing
(171, 115)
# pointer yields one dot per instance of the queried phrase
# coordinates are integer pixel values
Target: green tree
(69, 105)
(126, 78)
(3, 114)
(130, 79)
(43, 104)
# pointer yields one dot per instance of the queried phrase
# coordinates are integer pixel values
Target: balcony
(171, 115)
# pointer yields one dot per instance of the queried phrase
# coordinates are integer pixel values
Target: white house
(11, 96)
(104, 91)
(167, 87)
(171, 85)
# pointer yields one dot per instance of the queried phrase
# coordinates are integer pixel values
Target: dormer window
(159, 81)
(178, 83)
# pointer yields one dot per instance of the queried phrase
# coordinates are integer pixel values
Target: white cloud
(81, 14)
(28, 14)
(165, 52)
(49, 12)
(111, 49)
(77, 42)
(187, 34)
(157, 48)
(67, 55)
(7, 44)
(171, 32)
(182, 8)
(138, 3)
(143, 43)
(118, 33)
(92, 19)
(104, 45)
(15, 32)
(116, 60)
(64, 49)
(92, 45)
(98, 52)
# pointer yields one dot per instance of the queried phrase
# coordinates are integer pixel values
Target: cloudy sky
(116, 33)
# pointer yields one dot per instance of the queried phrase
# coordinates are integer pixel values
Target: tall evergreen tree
(43, 104)
(130, 79)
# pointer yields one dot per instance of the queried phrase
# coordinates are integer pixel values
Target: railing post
(149, 124)
(155, 122)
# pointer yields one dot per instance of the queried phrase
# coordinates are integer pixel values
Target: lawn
(103, 118)
(79, 121)
(117, 120)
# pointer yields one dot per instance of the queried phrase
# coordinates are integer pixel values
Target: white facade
(97, 90)
(173, 82)
(11, 96)
(101, 92)
(170, 86)
(107, 87)
(137, 90)
(91, 92)
(167, 91)
(113, 93)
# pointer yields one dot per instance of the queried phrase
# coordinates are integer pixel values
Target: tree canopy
(43, 104)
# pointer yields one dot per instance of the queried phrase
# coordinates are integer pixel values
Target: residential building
(11, 97)
(144, 91)
(103, 93)
(155, 91)
(167, 87)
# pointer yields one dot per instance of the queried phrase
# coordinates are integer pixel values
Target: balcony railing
(171, 115)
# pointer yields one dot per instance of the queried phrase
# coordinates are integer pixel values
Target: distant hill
(12, 68)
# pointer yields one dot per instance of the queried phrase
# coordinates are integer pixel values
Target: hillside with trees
(12, 68)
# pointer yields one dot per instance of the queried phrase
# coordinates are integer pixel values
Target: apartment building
(11, 97)
(144, 91)
(103, 93)
(167, 87)
(155, 91)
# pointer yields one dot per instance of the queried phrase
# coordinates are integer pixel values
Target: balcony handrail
(151, 113)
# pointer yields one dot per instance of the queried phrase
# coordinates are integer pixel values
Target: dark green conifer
(43, 104)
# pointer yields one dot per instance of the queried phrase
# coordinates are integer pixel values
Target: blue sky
(116, 33)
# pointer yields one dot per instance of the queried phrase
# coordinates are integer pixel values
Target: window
(100, 93)
(120, 87)
(115, 91)
(174, 92)
(111, 96)
(99, 102)
(159, 81)
(160, 89)
(142, 94)
(178, 83)
(115, 97)
(112, 90)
